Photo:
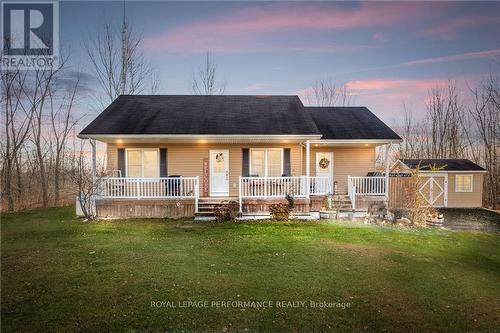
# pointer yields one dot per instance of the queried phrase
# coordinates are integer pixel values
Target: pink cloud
(387, 85)
(386, 96)
(449, 30)
(456, 57)
(484, 54)
(244, 30)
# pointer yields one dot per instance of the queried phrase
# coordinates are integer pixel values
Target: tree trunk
(8, 185)
(43, 178)
(56, 180)
(19, 177)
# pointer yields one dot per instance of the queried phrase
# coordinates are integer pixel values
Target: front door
(219, 172)
(324, 168)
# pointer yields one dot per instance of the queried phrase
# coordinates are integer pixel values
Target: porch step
(204, 213)
(342, 202)
(206, 206)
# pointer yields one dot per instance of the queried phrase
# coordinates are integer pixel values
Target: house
(454, 183)
(179, 155)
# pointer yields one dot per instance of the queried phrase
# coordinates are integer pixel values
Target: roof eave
(361, 141)
(208, 138)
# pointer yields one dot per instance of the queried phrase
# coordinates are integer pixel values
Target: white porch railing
(376, 186)
(321, 185)
(272, 187)
(149, 188)
(280, 187)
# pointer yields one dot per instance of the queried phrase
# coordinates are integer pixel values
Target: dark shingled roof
(227, 114)
(443, 164)
(350, 123)
(192, 114)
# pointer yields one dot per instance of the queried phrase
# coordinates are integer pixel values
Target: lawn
(61, 274)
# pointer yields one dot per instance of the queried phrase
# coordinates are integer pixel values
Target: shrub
(291, 201)
(228, 211)
(280, 211)
(399, 213)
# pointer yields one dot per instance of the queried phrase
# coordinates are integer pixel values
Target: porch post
(239, 195)
(386, 161)
(196, 193)
(94, 168)
(308, 168)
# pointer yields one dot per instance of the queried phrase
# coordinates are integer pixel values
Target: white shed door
(434, 189)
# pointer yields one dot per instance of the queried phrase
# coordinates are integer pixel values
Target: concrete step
(208, 206)
(204, 214)
(204, 218)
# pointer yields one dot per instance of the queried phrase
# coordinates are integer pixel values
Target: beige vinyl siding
(187, 159)
(465, 199)
(354, 161)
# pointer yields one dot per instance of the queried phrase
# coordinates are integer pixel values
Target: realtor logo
(30, 34)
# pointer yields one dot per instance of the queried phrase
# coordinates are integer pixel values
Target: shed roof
(442, 164)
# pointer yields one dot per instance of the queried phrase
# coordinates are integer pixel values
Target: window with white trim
(143, 163)
(463, 183)
(266, 162)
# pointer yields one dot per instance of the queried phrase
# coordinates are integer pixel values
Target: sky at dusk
(388, 53)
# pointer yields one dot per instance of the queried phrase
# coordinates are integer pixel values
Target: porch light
(316, 145)
(285, 141)
(203, 141)
(119, 141)
(366, 144)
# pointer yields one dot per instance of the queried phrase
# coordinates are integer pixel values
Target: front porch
(180, 196)
(322, 175)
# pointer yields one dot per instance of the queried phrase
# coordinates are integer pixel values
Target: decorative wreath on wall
(219, 157)
(324, 163)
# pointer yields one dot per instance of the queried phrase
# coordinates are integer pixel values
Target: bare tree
(326, 92)
(445, 114)
(205, 81)
(87, 186)
(118, 63)
(17, 127)
(37, 104)
(485, 113)
(62, 122)
(409, 147)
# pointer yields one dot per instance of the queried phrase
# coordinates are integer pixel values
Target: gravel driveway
(475, 219)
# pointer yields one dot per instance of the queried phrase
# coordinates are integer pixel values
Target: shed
(454, 183)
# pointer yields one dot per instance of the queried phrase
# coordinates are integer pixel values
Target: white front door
(219, 172)
(324, 168)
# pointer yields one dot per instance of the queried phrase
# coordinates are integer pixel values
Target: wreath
(324, 163)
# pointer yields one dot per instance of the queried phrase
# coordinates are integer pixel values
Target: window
(258, 161)
(463, 183)
(143, 163)
(274, 168)
(266, 162)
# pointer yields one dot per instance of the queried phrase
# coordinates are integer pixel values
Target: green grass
(61, 274)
